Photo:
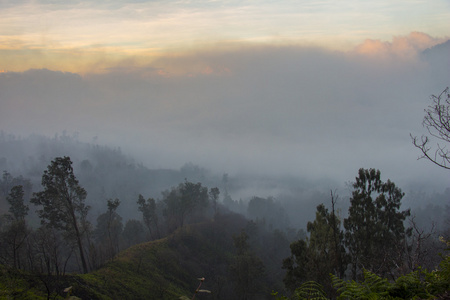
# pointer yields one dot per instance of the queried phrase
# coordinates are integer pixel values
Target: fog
(250, 109)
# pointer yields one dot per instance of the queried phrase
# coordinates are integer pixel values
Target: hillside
(163, 269)
(108, 173)
(204, 237)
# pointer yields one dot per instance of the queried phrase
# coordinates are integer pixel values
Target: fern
(278, 297)
(310, 290)
(410, 286)
(373, 287)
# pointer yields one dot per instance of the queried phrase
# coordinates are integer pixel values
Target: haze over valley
(199, 137)
(282, 110)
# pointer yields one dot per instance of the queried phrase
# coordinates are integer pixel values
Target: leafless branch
(437, 122)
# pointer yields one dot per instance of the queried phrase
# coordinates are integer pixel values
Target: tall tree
(340, 255)
(437, 122)
(63, 202)
(326, 250)
(375, 234)
(149, 215)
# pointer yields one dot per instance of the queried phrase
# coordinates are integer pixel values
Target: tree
(296, 265)
(149, 215)
(340, 255)
(16, 232)
(375, 234)
(437, 122)
(133, 233)
(421, 243)
(63, 202)
(246, 269)
(12, 241)
(321, 254)
(268, 211)
(214, 196)
(109, 227)
(326, 250)
(50, 254)
(420, 284)
(183, 201)
(6, 182)
(17, 207)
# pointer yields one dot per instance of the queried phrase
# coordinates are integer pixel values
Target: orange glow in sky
(85, 36)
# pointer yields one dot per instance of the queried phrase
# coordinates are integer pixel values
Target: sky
(315, 88)
(91, 36)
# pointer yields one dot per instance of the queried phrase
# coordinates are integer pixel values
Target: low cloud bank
(261, 109)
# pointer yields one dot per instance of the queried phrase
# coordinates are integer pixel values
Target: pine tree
(375, 234)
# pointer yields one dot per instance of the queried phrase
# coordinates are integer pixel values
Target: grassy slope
(167, 268)
(145, 271)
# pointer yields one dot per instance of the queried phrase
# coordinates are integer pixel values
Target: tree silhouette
(17, 207)
(437, 122)
(63, 202)
(109, 228)
(375, 235)
(149, 215)
(182, 201)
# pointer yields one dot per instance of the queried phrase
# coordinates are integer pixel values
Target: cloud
(108, 31)
(401, 47)
(253, 108)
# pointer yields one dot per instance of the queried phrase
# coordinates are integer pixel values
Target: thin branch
(437, 122)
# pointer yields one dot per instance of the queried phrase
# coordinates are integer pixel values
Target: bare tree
(437, 122)
(419, 247)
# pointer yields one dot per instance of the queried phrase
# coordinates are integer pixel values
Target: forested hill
(168, 268)
(104, 172)
(108, 173)
(51, 232)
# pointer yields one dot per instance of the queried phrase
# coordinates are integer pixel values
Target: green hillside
(163, 269)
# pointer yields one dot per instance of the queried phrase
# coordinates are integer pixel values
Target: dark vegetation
(85, 221)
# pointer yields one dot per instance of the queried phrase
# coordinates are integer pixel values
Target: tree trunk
(80, 245)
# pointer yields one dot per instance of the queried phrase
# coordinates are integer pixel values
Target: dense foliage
(375, 235)
(420, 284)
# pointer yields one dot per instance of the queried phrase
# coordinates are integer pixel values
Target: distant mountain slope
(441, 51)
(438, 57)
(103, 171)
(107, 173)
